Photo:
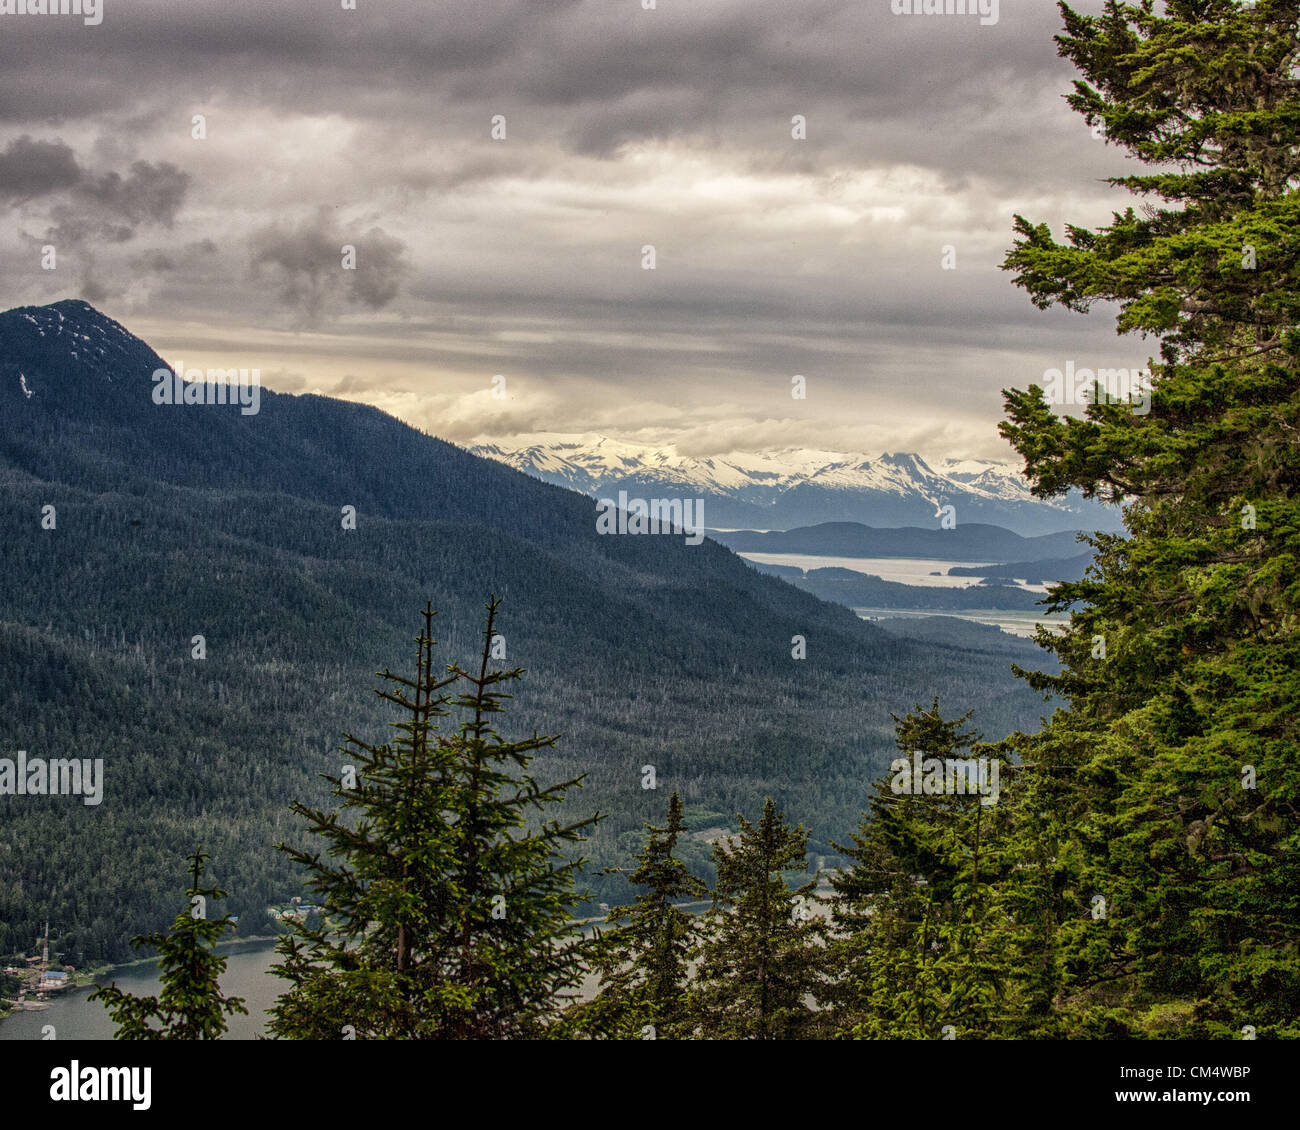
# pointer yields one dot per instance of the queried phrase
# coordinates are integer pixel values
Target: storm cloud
(30, 169)
(801, 169)
(315, 260)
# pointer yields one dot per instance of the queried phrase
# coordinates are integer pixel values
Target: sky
(199, 167)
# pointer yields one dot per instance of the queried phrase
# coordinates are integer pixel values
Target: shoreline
(87, 978)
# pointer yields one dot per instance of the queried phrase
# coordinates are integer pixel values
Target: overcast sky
(523, 257)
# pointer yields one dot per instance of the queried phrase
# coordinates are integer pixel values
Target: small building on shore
(54, 981)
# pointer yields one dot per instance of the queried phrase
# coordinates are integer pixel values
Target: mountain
(797, 487)
(966, 542)
(183, 598)
(1070, 568)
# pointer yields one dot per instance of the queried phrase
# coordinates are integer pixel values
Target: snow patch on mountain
(796, 486)
(587, 461)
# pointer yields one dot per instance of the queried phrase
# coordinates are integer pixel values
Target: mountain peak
(76, 306)
(71, 346)
(66, 315)
(794, 486)
(74, 310)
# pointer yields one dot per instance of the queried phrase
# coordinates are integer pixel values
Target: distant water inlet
(1012, 622)
(925, 572)
(70, 1016)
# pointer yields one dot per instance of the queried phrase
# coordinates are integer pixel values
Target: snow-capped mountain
(784, 489)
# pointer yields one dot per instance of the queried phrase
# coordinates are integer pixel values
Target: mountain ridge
(798, 487)
(967, 542)
(197, 613)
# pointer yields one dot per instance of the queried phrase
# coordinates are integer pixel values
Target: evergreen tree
(190, 1005)
(643, 958)
(446, 915)
(912, 912)
(762, 952)
(1033, 894)
(1182, 663)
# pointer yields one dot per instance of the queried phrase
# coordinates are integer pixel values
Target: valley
(172, 524)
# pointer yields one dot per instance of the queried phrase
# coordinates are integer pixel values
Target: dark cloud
(590, 75)
(380, 268)
(81, 212)
(111, 208)
(147, 194)
(30, 169)
(314, 271)
(108, 205)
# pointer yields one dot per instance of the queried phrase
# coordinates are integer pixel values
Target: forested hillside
(178, 521)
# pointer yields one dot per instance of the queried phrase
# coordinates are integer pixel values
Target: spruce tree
(1182, 663)
(190, 1005)
(643, 957)
(762, 953)
(913, 945)
(447, 893)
